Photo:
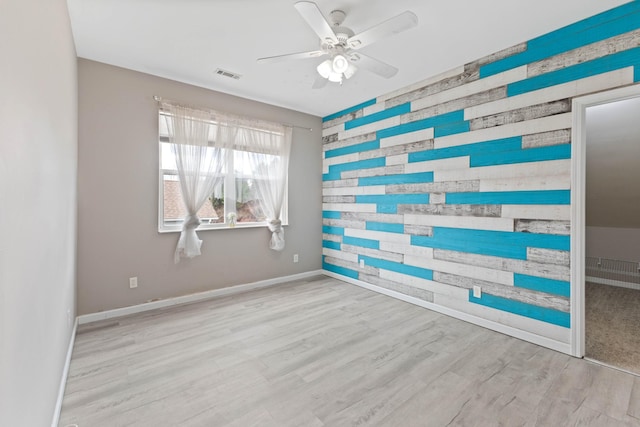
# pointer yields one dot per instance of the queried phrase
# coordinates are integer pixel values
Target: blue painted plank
(386, 209)
(359, 164)
(397, 267)
(339, 270)
(451, 129)
(349, 110)
(364, 243)
(443, 119)
(540, 284)
(331, 214)
(591, 30)
(555, 152)
(407, 178)
(328, 229)
(392, 199)
(331, 245)
(384, 226)
(380, 115)
(543, 314)
(493, 146)
(542, 197)
(331, 176)
(356, 148)
(520, 239)
(480, 248)
(601, 65)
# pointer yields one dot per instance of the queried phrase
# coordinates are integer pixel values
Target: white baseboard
(489, 324)
(200, 296)
(65, 374)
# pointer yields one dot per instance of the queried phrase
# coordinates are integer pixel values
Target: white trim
(65, 374)
(578, 225)
(200, 296)
(489, 324)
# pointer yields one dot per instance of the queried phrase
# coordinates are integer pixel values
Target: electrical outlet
(295, 257)
(477, 292)
(133, 282)
(68, 317)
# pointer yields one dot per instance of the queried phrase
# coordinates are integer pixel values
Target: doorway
(605, 236)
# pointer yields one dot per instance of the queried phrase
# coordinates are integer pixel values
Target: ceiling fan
(342, 45)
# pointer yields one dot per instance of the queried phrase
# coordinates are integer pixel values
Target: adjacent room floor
(612, 316)
(325, 353)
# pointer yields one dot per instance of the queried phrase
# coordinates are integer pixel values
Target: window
(238, 193)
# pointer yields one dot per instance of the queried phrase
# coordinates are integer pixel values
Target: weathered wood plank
(551, 212)
(456, 104)
(349, 207)
(548, 182)
(330, 138)
(549, 271)
(341, 143)
(460, 269)
(526, 296)
(504, 53)
(332, 237)
(333, 253)
(435, 187)
(393, 150)
(361, 225)
(418, 230)
(492, 211)
(545, 139)
(522, 114)
(467, 222)
(587, 53)
(543, 226)
(353, 191)
(440, 86)
(338, 199)
(342, 119)
(342, 263)
(340, 183)
(437, 198)
(411, 291)
(549, 256)
(386, 170)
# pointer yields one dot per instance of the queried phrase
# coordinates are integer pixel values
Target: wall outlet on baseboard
(295, 258)
(68, 317)
(477, 292)
(133, 282)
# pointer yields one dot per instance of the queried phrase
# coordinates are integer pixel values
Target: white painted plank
(353, 191)
(381, 236)
(471, 88)
(346, 256)
(544, 329)
(470, 222)
(407, 138)
(559, 121)
(438, 165)
(398, 248)
(429, 285)
(399, 159)
(552, 212)
(592, 84)
(371, 127)
(531, 183)
(523, 170)
(475, 272)
(350, 207)
(347, 158)
(371, 109)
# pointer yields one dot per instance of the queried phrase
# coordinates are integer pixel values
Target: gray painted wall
(118, 197)
(38, 166)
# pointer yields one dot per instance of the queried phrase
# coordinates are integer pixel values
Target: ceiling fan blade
(310, 12)
(299, 55)
(319, 83)
(391, 26)
(375, 66)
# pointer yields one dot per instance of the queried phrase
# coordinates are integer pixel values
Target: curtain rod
(160, 99)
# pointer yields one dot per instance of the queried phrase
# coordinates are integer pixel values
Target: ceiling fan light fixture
(350, 71)
(335, 77)
(325, 68)
(340, 64)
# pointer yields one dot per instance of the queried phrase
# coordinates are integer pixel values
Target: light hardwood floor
(325, 353)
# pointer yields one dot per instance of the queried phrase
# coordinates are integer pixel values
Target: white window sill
(217, 227)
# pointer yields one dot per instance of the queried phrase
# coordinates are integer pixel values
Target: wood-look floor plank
(324, 353)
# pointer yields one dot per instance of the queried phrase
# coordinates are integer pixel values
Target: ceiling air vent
(225, 73)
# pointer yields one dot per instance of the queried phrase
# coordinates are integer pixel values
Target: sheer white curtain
(198, 148)
(268, 151)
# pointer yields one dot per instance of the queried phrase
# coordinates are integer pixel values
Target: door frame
(578, 205)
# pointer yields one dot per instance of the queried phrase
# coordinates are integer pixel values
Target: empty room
(319, 213)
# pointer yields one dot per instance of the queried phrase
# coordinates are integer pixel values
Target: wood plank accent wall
(463, 180)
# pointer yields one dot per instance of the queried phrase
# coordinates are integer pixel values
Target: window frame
(229, 185)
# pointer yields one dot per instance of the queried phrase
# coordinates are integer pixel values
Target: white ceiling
(186, 40)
